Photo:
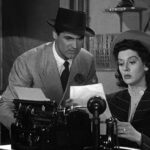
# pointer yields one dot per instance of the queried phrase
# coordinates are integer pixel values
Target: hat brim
(140, 36)
(88, 31)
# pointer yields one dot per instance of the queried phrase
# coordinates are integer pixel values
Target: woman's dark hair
(141, 50)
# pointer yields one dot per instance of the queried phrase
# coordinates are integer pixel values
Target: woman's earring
(146, 68)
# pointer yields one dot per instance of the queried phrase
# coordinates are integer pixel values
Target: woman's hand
(127, 131)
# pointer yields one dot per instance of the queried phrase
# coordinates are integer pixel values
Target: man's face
(68, 45)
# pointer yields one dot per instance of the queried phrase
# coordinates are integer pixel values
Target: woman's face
(131, 67)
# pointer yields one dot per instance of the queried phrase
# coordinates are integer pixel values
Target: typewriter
(40, 125)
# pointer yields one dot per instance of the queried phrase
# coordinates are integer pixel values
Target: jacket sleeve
(19, 76)
(6, 113)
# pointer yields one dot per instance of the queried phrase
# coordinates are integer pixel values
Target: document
(81, 95)
(5, 147)
(35, 94)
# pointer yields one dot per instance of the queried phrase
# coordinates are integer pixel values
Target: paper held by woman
(81, 94)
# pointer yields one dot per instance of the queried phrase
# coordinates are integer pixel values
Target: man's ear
(54, 34)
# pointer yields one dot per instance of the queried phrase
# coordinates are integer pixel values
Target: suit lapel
(73, 71)
(121, 105)
(49, 74)
(143, 107)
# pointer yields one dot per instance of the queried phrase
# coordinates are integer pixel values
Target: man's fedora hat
(71, 21)
(140, 36)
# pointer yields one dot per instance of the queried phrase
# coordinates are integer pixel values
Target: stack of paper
(81, 94)
(35, 94)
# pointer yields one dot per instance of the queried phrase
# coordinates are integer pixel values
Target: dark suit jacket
(37, 68)
(119, 104)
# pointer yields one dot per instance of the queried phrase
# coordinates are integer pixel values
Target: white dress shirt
(60, 61)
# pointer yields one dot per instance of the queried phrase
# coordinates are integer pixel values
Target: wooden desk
(121, 10)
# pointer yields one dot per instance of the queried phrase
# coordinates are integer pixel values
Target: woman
(131, 106)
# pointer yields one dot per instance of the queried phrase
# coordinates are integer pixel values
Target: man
(43, 66)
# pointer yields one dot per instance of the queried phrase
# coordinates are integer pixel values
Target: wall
(24, 26)
(105, 23)
(0, 46)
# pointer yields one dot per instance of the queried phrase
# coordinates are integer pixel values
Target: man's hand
(70, 103)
